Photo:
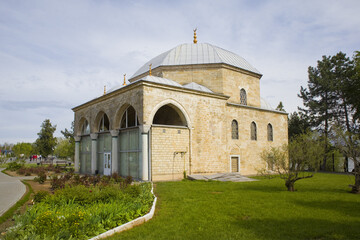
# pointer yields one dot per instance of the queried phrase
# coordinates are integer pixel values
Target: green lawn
(322, 208)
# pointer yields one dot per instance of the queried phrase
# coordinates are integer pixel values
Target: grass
(322, 208)
(9, 213)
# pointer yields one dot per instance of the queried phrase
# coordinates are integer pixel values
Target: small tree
(280, 107)
(63, 149)
(46, 142)
(298, 160)
(69, 136)
(349, 145)
(23, 148)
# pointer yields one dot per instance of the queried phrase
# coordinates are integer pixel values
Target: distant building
(194, 108)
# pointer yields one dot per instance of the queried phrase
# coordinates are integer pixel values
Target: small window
(234, 130)
(253, 131)
(85, 128)
(104, 123)
(243, 99)
(270, 132)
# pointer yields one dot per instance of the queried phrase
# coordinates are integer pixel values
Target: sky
(55, 55)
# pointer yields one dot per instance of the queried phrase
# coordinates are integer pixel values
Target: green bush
(14, 166)
(40, 196)
(41, 178)
(81, 212)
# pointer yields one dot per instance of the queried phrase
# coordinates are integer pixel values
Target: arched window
(104, 123)
(270, 132)
(129, 119)
(234, 130)
(253, 131)
(85, 128)
(243, 99)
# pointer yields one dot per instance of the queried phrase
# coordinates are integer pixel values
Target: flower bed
(81, 212)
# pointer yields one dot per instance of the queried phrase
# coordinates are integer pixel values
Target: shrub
(41, 178)
(21, 171)
(128, 180)
(57, 182)
(13, 166)
(40, 196)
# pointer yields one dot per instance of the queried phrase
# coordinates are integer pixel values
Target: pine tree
(320, 99)
(280, 107)
(46, 142)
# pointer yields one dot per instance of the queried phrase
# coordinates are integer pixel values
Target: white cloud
(58, 54)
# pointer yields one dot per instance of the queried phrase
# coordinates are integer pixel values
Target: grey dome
(200, 53)
(265, 104)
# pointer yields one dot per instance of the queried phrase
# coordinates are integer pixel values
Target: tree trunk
(323, 166)
(356, 187)
(290, 185)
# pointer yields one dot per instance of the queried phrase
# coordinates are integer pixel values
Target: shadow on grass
(306, 228)
(347, 208)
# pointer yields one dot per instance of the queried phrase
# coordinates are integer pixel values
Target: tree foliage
(349, 144)
(46, 142)
(297, 160)
(70, 147)
(63, 148)
(326, 99)
(280, 107)
(23, 149)
(297, 124)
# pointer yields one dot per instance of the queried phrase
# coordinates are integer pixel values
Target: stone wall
(166, 160)
(249, 150)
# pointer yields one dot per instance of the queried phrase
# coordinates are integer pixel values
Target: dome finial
(124, 80)
(195, 41)
(150, 69)
(104, 90)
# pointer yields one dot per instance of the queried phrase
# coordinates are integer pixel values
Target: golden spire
(150, 68)
(104, 90)
(124, 80)
(195, 41)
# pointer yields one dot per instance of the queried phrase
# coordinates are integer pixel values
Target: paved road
(11, 191)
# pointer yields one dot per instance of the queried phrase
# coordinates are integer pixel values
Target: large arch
(79, 126)
(177, 107)
(120, 112)
(95, 125)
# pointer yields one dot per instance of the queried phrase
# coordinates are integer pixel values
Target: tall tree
(46, 142)
(343, 72)
(319, 98)
(353, 88)
(298, 124)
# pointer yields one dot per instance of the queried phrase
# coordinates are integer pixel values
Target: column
(77, 153)
(114, 151)
(145, 151)
(93, 151)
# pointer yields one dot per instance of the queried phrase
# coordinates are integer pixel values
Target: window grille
(85, 128)
(234, 130)
(253, 131)
(243, 99)
(104, 123)
(270, 132)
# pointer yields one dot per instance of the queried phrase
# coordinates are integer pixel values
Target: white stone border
(131, 224)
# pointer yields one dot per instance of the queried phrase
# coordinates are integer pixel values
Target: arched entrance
(169, 143)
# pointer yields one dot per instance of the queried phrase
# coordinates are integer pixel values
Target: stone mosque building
(195, 109)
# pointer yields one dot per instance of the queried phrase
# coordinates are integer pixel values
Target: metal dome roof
(265, 104)
(200, 53)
